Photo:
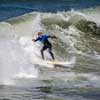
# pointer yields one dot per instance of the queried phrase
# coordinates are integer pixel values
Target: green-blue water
(12, 8)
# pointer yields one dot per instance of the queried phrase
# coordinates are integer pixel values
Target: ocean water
(12, 8)
(24, 75)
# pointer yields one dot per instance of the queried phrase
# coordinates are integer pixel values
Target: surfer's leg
(50, 51)
(42, 50)
(42, 54)
(52, 55)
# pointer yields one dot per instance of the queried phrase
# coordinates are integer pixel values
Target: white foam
(24, 75)
(12, 59)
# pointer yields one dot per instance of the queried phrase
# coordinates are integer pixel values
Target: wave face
(19, 7)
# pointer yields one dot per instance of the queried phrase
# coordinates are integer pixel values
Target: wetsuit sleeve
(51, 36)
(36, 39)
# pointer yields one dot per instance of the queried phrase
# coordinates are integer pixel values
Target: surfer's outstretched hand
(33, 40)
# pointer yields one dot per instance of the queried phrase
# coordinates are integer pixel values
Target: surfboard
(59, 63)
(53, 64)
(56, 62)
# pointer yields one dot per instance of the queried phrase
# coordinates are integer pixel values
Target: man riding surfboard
(43, 38)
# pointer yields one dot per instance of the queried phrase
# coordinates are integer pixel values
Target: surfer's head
(39, 34)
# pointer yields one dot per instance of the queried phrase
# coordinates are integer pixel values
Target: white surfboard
(54, 64)
(62, 64)
(57, 62)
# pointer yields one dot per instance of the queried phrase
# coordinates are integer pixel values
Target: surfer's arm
(52, 36)
(35, 39)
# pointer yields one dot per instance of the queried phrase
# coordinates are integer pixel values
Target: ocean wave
(16, 34)
(16, 7)
(73, 26)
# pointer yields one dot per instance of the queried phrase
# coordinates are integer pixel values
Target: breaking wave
(74, 30)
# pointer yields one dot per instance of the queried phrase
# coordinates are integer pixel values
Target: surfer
(46, 44)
